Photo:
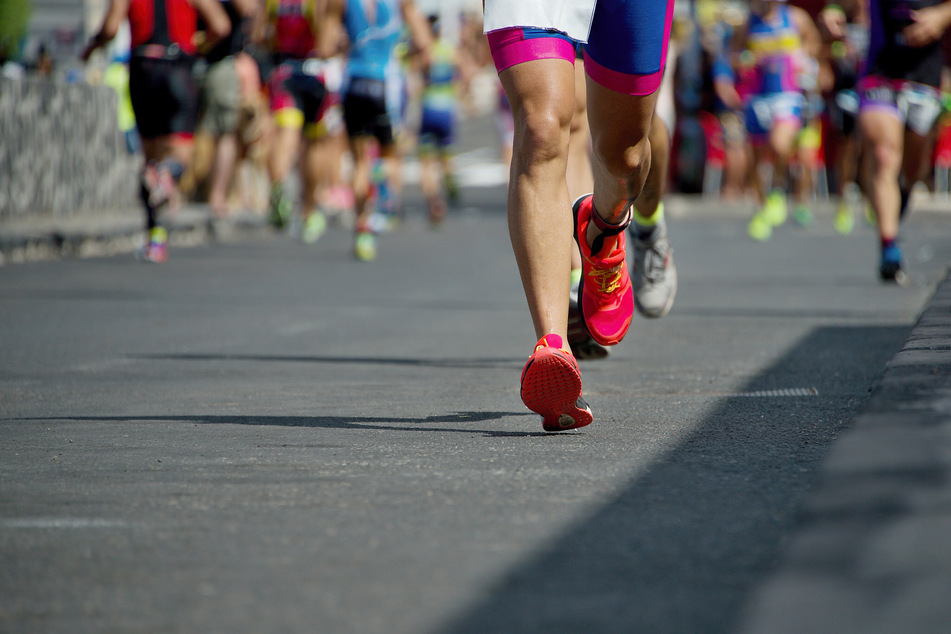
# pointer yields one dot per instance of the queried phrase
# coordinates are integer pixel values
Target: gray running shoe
(653, 275)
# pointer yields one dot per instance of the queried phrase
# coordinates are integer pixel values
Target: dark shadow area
(681, 548)
(383, 423)
(469, 362)
(772, 313)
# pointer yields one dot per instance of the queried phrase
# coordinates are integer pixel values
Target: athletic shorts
(764, 111)
(298, 96)
(916, 105)
(365, 110)
(626, 49)
(436, 128)
(220, 98)
(164, 96)
(843, 109)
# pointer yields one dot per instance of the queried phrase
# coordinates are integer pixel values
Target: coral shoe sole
(551, 386)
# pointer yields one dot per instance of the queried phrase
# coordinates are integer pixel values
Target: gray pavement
(871, 550)
(263, 436)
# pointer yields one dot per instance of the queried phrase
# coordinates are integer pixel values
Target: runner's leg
(541, 93)
(883, 140)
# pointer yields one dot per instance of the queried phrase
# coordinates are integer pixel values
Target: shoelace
(655, 261)
(608, 279)
(566, 351)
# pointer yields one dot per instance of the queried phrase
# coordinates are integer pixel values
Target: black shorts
(843, 109)
(365, 111)
(299, 85)
(164, 96)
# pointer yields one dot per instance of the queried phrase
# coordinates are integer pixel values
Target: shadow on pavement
(681, 548)
(383, 423)
(469, 362)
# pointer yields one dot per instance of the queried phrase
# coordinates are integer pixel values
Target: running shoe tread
(551, 387)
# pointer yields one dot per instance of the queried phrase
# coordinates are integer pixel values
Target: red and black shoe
(579, 339)
(605, 297)
(551, 386)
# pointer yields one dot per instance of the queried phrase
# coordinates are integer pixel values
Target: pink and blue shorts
(626, 49)
(763, 112)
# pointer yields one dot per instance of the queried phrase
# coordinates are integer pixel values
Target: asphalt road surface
(270, 437)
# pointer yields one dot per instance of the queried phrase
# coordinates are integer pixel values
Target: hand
(95, 42)
(927, 26)
(728, 94)
(833, 20)
(91, 46)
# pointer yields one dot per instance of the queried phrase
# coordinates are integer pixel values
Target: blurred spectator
(299, 101)
(899, 103)
(163, 93)
(845, 45)
(727, 101)
(774, 46)
(253, 134)
(369, 103)
(220, 99)
(442, 72)
(44, 63)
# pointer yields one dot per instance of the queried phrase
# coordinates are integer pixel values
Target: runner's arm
(929, 24)
(811, 40)
(832, 21)
(329, 22)
(259, 24)
(115, 14)
(737, 48)
(419, 30)
(217, 22)
(246, 8)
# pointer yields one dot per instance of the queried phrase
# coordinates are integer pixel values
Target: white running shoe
(653, 275)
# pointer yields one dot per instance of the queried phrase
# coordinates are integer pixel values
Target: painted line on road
(792, 391)
(61, 522)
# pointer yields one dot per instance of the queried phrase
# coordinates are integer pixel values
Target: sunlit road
(266, 436)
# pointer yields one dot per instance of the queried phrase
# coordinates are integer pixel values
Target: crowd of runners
(587, 125)
(314, 101)
(850, 94)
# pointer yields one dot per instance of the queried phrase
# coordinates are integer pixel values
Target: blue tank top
(775, 45)
(439, 92)
(372, 42)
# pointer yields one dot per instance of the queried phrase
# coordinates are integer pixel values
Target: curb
(114, 233)
(870, 552)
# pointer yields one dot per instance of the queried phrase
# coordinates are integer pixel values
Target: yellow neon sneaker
(364, 247)
(759, 227)
(844, 220)
(774, 210)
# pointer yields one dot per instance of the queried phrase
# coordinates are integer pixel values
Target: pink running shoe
(159, 183)
(551, 386)
(156, 251)
(605, 299)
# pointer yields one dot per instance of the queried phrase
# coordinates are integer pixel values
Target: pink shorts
(626, 49)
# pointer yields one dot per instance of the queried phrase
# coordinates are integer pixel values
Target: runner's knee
(543, 135)
(628, 163)
(887, 158)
